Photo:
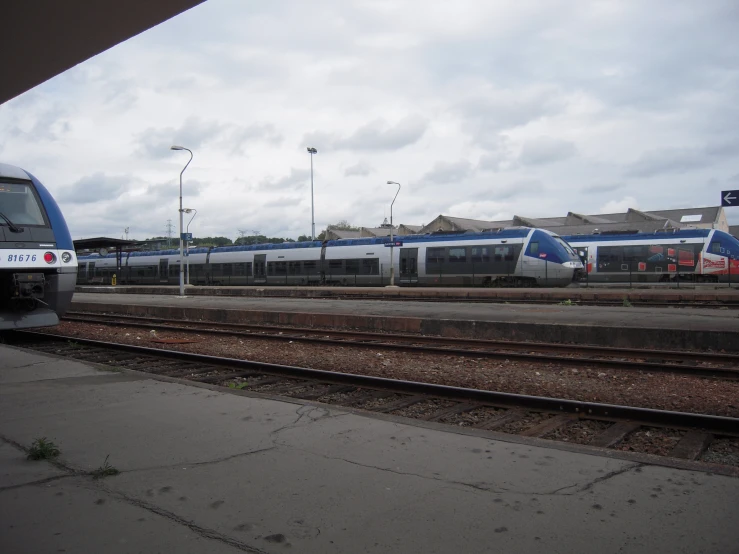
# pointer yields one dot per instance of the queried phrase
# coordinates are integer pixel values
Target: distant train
(516, 256)
(700, 255)
(38, 265)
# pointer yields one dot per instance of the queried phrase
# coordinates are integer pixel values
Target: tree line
(246, 239)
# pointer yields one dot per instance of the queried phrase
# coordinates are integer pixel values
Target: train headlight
(49, 258)
(66, 257)
(573, 265)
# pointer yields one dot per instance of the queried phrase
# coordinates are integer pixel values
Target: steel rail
(381, 341)
(592, 410)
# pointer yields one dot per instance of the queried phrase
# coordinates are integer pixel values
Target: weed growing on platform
(105, 470)
(567, 302)
(240, 386)
(42, 449)
(627, 304)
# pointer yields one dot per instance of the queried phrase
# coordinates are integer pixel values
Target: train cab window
(715, 248)
(534, 248)
(434, 255)
(20, 205)
(457, 255)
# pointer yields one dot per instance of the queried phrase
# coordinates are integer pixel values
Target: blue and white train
(38, 265)
(700, 255)
(516, 256)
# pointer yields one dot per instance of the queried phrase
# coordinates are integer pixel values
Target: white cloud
(478, 108)
(616, 206)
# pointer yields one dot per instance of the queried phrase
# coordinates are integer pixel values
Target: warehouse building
(574, 223)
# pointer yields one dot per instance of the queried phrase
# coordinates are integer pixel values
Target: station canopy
(42, 38)
(104, 242)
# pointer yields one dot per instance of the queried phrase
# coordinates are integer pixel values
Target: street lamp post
(182, 269)
(312, 151)
(187, 232)
(392, 266)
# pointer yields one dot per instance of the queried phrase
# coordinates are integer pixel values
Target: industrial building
(573, 223)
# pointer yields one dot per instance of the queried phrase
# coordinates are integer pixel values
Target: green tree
(343, 225)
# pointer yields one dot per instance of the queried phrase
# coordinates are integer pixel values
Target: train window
(335, 264)
(502, 252)
(20, 205)
(309, 267)
(352, 267)
(457, 254)
(228, 270)
(293, 268)
(280, 268)
(715, 248)
(480, 253)
(634, 253)
(371, 267)
(434, 255)
(534, 248)
(240, 269)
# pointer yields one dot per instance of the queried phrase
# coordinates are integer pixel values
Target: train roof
(636, 235)
(508, 233)
(13, 172)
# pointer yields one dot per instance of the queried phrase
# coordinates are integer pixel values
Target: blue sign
(186, 236)
(394, 243)
(730, 197)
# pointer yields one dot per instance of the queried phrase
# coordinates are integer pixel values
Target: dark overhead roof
(43, 38)
(102, 242)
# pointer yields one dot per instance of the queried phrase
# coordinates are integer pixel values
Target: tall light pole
(392, 266)
(312, 151)
(182, 262)
(187, 232)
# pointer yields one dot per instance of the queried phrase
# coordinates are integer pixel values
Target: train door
(408, 266)
(584, 255)
(260, 269)
(163, 270)
(322, 264)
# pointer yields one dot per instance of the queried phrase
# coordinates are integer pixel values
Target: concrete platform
(218, 471)
(689, 292)
(664, 328)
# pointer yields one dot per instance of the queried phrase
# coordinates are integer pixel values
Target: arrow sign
(730, 198)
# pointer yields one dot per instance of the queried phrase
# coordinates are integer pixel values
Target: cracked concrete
(205, 471)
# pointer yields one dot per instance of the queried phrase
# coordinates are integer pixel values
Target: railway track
(601, 426)
(632, 302)
(676, 362)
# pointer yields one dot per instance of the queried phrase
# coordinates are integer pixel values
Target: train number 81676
(21, 257)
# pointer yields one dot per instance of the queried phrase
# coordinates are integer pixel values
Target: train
(515, 256)
(697, 255)
(38, 263)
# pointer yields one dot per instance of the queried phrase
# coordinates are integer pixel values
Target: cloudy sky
(479, 109)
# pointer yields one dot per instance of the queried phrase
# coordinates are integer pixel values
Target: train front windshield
(19, 204)
(567, 247)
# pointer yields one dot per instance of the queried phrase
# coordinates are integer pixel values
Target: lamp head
(312, 150)
(177, 148)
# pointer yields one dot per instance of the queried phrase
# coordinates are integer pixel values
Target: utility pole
(169, 232)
